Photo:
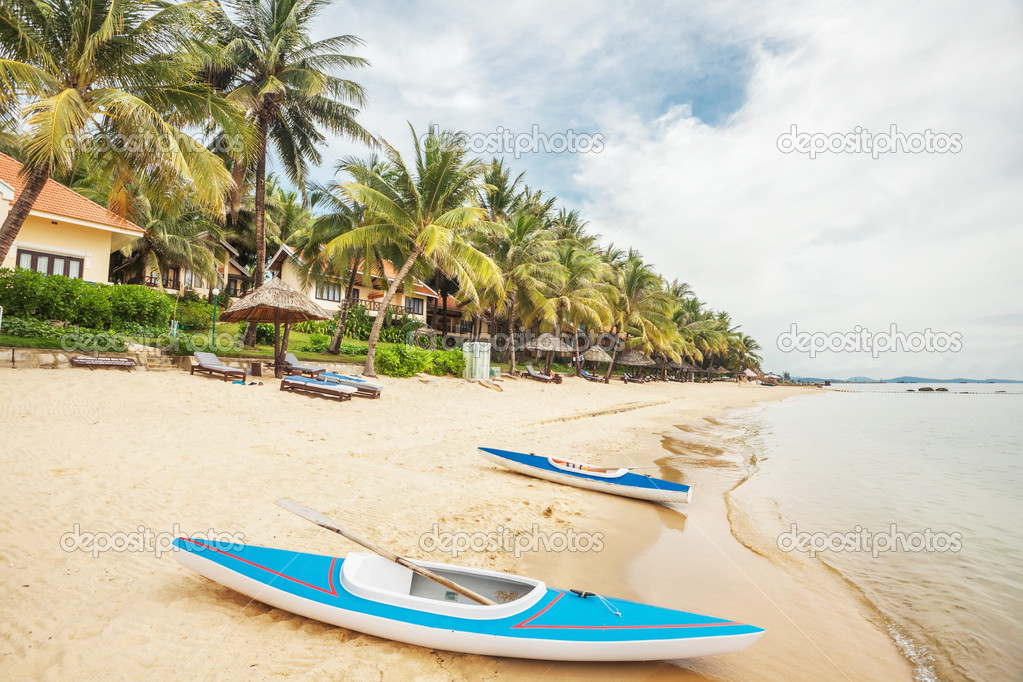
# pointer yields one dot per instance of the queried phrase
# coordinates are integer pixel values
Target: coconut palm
(426, 213)
(499, 195)
(178, 235)
(578, 296)
(341, 263)
(105, 72)
(524, 255)
(266, 62)
(642, 310)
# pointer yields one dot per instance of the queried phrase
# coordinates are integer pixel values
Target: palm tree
(267, 63)
(178, 235)
(499, 195)
(104, 71)
(524, 255)
(579, 296)
(324, 258)
(426, 213)
(642, 309)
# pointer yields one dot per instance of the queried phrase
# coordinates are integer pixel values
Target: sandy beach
(114, 452)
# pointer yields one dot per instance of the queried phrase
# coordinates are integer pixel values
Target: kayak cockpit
(578, 468)
(377, 579)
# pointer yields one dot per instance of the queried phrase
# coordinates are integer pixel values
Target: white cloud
(919, 240)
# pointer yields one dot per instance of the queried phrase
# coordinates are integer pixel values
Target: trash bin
(477, 361)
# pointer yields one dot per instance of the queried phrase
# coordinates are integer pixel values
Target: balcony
(169, 281)
(377, 306)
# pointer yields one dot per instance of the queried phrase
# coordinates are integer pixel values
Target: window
(355, 295)
(414, 306)
(50, 264)
(328, 292)
(188, 278)
(465, 327)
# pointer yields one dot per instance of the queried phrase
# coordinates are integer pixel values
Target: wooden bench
(94, 361)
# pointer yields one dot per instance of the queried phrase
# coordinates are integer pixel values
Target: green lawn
(21, 342)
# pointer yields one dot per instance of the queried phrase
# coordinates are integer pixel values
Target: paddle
(323, 522)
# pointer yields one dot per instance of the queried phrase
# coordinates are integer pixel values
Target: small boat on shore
(523, 618)
(616, 481)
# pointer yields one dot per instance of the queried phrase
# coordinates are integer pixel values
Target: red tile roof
(60, 200)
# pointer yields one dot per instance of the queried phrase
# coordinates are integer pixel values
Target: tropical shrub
(29, 328)
(315, 327)
(447, 362)
(359, 323)
(131, 305)
(94, 309)
(264, 333)
(402, 361)
(317, 343)
(349, 349)
(195, 314)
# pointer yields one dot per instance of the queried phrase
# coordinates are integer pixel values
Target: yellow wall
(66, 239)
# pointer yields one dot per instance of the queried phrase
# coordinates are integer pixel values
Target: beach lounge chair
(363, 386)
(629, 379)
(94, 361)
(294, 366)
(210, 364)
(533, 374)
(591, 377)
(316, 387)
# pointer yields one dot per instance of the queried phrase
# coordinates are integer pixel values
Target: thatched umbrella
(549, 344)
(596, 354)
(275, 302)
(635, 359)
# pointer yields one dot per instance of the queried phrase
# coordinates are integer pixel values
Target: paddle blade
(307, 513)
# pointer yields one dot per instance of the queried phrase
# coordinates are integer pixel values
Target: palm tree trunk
(378, 324)
(578, 360)
(19, 211)
(511, 334)
(611, 365)
(250, 333)
(335, 343)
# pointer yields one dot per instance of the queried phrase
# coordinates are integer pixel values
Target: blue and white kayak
(618, 481)
(368, 593)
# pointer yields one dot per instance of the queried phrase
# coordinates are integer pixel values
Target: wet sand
(113, 451)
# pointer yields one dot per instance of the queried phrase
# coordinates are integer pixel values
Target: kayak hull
(629, 485)
(557, 626)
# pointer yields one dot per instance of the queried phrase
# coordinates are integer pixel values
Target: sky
(686, 112)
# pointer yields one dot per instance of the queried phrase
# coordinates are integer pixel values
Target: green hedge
(122, 307)
(404, 361)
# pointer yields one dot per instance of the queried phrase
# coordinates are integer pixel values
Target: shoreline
(161, 449)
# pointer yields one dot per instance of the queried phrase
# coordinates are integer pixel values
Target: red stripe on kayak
(330, 577)
(525, 623)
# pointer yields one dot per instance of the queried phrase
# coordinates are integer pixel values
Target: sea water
(916, 498)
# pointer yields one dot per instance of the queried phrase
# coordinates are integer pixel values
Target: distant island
(907, 380)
